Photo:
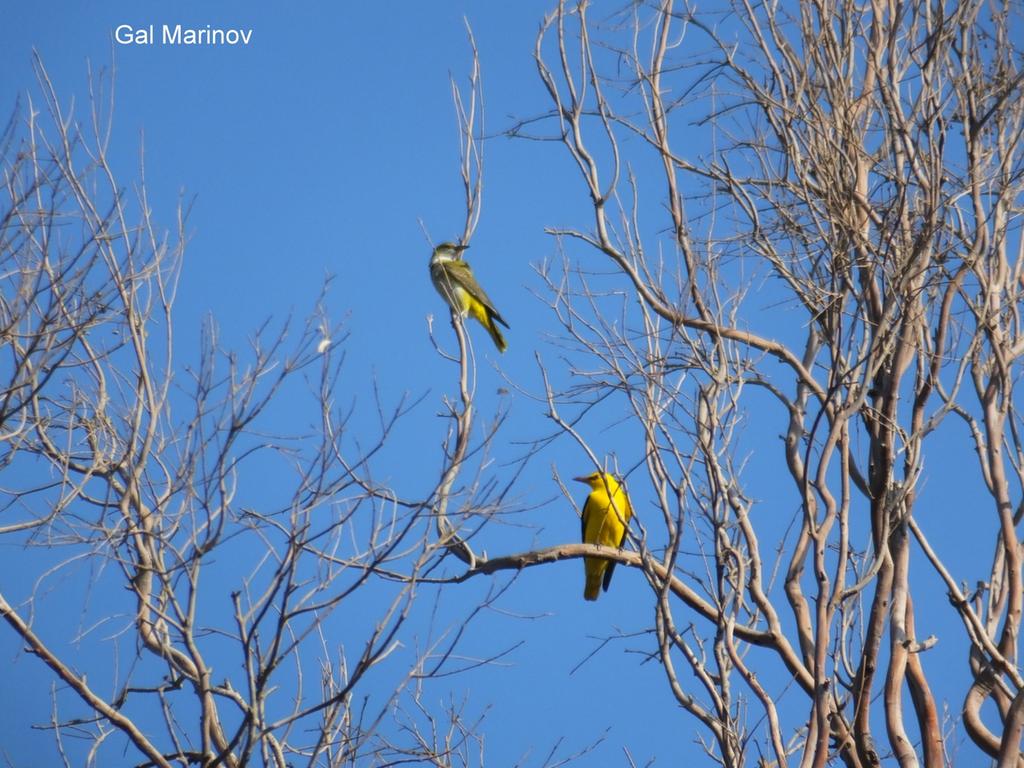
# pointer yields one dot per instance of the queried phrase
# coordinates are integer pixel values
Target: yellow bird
(454, 280)
(604, 521)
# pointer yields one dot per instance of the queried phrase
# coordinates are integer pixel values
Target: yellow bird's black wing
(460, 272)
(608, 575)
(583, 521)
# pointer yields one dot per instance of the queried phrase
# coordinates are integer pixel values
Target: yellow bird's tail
(595, 574)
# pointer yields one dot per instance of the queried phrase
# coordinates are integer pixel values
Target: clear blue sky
(317, 149)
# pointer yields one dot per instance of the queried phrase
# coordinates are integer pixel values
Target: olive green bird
(454, 280)
(604, 521)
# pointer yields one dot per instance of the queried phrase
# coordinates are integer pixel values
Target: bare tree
(861, 172)
(234, 610)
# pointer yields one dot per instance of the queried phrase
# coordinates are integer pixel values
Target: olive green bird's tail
(489, 319)
(499, 340)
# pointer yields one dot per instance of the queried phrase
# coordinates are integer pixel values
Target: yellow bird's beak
(585, 480)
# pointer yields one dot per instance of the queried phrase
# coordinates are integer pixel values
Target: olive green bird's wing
(460, 272)
(445, 285)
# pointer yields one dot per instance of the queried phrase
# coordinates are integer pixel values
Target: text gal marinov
(176, 34)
